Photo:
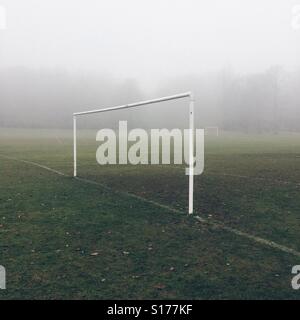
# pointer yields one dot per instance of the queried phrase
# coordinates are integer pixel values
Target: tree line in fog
(268, 101)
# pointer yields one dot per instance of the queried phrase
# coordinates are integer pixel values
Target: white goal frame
(143, 103)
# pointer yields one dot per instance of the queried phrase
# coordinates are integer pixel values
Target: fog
(240, 58)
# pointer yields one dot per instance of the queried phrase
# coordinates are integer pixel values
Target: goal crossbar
(143, 103)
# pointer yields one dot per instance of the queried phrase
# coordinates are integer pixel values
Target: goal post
(187, 95)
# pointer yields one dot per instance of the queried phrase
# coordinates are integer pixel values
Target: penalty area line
(36, 164)
(213, 223)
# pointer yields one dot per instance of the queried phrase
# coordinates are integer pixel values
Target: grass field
(63, 238)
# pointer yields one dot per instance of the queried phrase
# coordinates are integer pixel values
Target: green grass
(51, 225)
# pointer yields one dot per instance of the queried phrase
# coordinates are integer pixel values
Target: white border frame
(143, 103)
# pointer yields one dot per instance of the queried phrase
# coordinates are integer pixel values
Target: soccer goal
(187, 95)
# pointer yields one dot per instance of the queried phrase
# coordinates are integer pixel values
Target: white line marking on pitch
(36, 164)
(216, 224)
(249, 236)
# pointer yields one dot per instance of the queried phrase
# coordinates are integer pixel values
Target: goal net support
(187, 95)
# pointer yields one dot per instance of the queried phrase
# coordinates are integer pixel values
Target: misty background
(240, 58)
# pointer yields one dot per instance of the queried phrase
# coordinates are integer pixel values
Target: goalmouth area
(188, 95)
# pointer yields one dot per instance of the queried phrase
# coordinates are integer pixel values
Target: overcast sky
(150, 40)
